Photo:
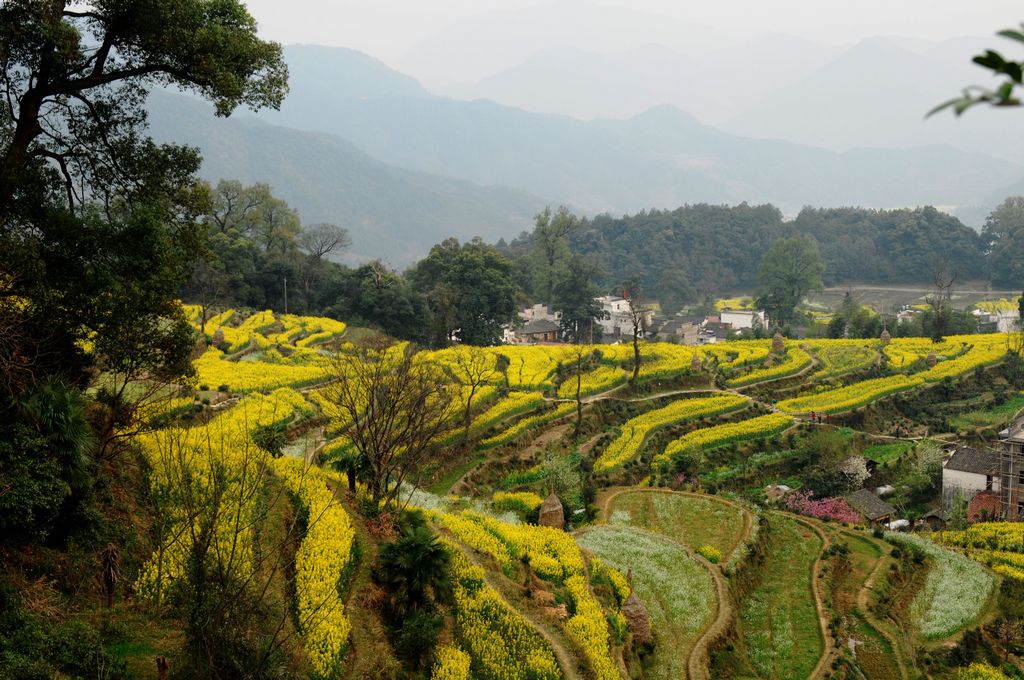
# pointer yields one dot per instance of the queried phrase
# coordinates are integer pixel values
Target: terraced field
(851, 572)
(690, 519)
(677, 590)
(778, 620)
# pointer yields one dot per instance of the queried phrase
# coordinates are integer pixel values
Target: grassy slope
(691, 520)
(677, 591)
(778, 620)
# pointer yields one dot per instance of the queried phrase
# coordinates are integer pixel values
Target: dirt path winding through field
(698, 660)
(865, 611)
(829, 649)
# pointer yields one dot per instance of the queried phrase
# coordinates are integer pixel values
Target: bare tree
(581, 358)
(473, 368)
(213, 510)
(393, 407)
(638, 319)
(208, 285)
(944, 278)
(320, 240)
(141, 365)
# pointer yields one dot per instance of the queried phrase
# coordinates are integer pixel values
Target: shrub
(710, 553)
(835, 509)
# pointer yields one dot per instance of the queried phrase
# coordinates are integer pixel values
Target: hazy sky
(388, 29)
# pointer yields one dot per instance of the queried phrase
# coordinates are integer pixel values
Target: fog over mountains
(796, 123)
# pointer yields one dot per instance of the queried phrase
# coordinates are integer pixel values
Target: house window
(1020, 477)
(988, 482)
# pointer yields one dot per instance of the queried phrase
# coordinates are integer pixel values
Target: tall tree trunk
(579, 402)
(636, 353)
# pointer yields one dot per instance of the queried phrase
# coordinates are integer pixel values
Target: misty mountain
(589, 85)
(661, 158)
(877, 94)
(489, 42)
(392, 213)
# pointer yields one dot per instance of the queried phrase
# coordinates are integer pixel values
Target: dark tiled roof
(539, 326)
(977, 461)
(869, 505)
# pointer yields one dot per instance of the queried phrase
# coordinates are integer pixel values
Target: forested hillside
(696, 250)
(391, 212)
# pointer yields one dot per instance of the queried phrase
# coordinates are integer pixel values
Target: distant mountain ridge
(392, 213)
(661, 158)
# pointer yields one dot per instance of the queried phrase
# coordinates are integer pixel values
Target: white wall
(741, 319)
(968, 481)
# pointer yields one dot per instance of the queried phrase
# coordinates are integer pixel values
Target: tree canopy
(1003, 235)
(469, 289)
(99, 225)
(790, 269)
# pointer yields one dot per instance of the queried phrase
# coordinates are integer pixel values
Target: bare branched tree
(638, 318)
(213, 504)
(944, 278)
(473, 368)
(139, 366)
(581, 356)
(320, 240)
(394, 405)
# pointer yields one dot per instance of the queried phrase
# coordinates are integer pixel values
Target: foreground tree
(1011, 72)
(393, 406)
(98, 224)
(790, 269)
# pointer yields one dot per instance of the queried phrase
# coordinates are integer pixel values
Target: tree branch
(68, 182)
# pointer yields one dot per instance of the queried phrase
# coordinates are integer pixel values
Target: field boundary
(829, 649)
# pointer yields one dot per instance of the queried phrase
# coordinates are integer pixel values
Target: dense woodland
(686, 254)
(679, 257)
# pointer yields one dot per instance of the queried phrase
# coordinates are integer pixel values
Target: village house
(540, 312)
(713, 330)
(676, 330)
(618, 321)
(538, 331)
(738, 319)
(1007, 321)
(968, 472)
(873, 509)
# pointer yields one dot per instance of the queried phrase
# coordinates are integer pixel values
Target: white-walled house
(1007, 321)
(969, 471)
(739, 319)
(618, 321)
(539, 312)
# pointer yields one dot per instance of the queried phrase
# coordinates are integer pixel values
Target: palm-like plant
(414, 569)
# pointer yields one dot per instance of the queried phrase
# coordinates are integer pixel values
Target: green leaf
(963, 105)
(1012, 35)
(1004, 91)
(944, 105)
(991, 60)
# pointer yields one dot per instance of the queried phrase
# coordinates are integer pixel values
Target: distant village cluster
(540, 324)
